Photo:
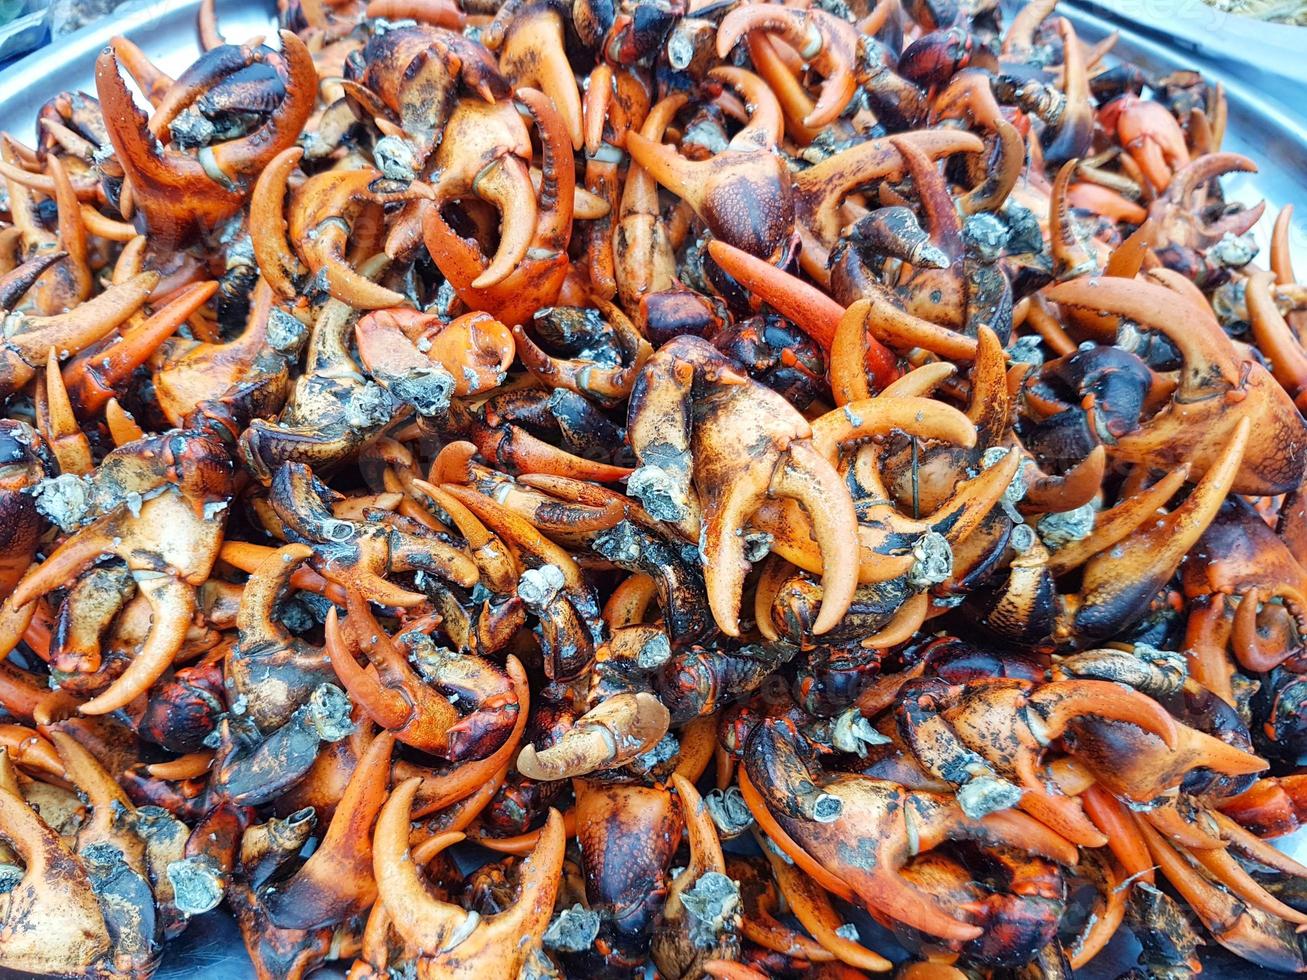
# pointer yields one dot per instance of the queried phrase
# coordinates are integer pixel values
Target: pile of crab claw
(809, 490)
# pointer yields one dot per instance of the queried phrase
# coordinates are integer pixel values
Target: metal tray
(1259, 51)
(1267, 122)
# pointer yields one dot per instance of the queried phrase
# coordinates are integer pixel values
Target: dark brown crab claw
(607, 736)
(420, 72)
(1252, 933)
(606, 383)
(332, 409)
(1118, 582)
(1138, 766)
(451, 941)
(117, 856)
(361, 554)
(821, 190)
(215, 182)
(701, 918)
(825, 42)
(1013, 729)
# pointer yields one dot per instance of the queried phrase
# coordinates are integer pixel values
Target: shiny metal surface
(1261, 52)
(1268, 119)
(165, 30)
(1261, 125)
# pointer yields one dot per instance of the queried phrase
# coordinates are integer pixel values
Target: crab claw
(392, 694)
(1248, 931)
(29, 339)
(485, 151)
(1058, 702)
(149, 78)
(336, 881)
(271, 668)
(276, 259)
(864, 831)
(475, 350)
(169, 547)
(806, 477)
(323, 214)
(823, 41)
(50, 919)
(172, 604)
(722, 411)
(744, 193)
(18, 280)
(453, 942)
(531, 54)
(1136, 765)
(361, 554)
(1074, 131)
(1219, 387)
(215, 182)
(420, 73)
(1179, 214)
(1010, 728)
(507, 185)
(678, 944)
(536, 281)
(1118, 582)
(607, 736)
(93, 378)
(1275, 339)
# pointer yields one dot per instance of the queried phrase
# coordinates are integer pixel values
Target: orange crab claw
(336, 881)
(822, 40)
(216, 181)
(277, 260)
(30, 338)
(453, 942)
(743, 193)
(94, 378)
(531, 54)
